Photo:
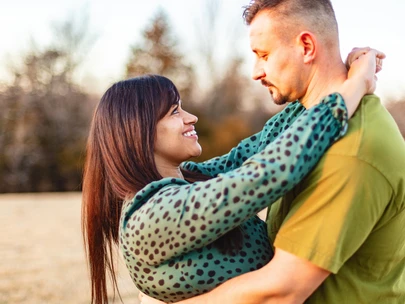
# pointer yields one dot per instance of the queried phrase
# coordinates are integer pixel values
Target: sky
(118, 24)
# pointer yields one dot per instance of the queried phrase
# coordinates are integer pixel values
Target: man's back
(348, 214)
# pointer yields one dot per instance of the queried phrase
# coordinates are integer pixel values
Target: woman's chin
(197, 153)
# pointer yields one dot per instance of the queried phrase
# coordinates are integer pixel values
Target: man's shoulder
(368, 130)
(373, 138)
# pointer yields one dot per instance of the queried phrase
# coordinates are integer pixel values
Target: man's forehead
(262, 24)
(261, 30)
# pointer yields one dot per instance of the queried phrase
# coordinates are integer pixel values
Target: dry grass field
(41, 251)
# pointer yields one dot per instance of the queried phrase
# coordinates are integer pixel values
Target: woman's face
(176, 139)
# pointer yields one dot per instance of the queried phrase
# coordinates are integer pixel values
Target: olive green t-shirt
(348, 215)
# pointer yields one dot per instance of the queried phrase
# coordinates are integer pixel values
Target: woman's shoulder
(156, 188)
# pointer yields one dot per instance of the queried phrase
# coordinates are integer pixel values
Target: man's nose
(258, 73)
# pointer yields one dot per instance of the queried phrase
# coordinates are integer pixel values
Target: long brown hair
(119, 163)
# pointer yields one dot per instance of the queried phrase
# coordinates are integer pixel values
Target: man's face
(279, 65)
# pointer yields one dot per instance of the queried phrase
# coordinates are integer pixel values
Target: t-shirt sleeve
(333, 212)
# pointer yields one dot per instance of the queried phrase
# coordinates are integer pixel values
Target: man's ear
(307, 43)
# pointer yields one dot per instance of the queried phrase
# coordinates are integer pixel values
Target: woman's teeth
(191, 133)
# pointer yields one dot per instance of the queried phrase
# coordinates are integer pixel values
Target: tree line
(45, 114)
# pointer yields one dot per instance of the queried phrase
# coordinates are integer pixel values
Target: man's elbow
(284, 298)
(282, 295)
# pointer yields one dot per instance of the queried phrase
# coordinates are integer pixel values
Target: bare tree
(224, 118)
(157, 53)
(46, 117)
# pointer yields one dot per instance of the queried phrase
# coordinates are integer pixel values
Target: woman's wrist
(337, 106)
(352, 90)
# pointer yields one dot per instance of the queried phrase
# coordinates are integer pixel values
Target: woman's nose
(190, 118)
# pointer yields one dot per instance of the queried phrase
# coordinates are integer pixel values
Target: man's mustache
(265, 83)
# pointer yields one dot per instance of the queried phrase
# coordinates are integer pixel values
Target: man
(338, 235)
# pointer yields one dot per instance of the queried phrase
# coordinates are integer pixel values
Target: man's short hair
(318, 15)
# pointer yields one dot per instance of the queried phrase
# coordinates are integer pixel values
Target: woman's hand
(145, 299)
(363, 69)
(361, 79)
(364, 63)
(357, 52)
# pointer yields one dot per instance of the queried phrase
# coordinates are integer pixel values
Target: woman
(183, 233)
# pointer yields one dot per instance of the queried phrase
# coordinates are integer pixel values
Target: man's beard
(278, 98)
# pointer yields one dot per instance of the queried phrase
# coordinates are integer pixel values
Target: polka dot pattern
(167, 229)
(272, 129)
(199, 270)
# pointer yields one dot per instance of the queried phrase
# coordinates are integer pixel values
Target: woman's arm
(361, 79)
(197, 214)
(248, 146)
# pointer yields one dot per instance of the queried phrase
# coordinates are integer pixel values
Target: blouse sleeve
(248, 146)
(180, 218)
(227, 162)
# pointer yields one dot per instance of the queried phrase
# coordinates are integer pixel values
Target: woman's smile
(191, 133)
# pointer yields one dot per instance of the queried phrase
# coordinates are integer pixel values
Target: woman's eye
(175, 110)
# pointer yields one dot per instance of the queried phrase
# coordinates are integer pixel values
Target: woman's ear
(307, 43)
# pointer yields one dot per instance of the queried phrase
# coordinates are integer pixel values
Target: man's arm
(286, 279)
(342, 197)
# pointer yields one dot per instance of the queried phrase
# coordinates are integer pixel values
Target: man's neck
(327, 79)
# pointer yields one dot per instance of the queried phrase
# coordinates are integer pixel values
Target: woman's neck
(170, 171)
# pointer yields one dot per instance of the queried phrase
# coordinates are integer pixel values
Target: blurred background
(56, 60)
